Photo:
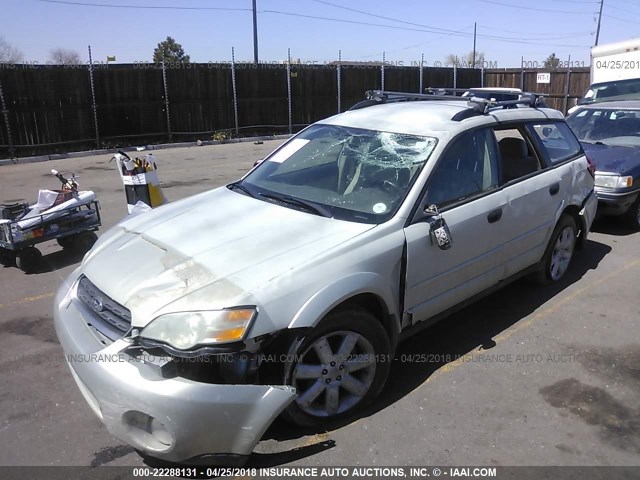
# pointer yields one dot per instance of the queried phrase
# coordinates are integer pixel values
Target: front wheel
(559, 252)
(340, 366)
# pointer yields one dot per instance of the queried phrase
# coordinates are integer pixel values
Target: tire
(557, 256)
(66, 242)
(28, 259)
(632, 216)
(84, 241)
(328, 388)
(7, 257)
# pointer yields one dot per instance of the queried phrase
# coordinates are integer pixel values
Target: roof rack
(376, 97)
(477, 104)
(454, 91)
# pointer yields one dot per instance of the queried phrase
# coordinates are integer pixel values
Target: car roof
(426, 118)
(611, 82)
(496, 89)
(613, 105)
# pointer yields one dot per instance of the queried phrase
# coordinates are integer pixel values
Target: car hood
(614, 158)
(209, 251)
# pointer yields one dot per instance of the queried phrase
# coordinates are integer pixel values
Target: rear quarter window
(558, 140)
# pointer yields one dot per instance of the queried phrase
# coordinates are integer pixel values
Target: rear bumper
(173, 419)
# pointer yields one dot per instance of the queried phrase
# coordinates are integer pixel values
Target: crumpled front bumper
(171, 419)
(615, 203)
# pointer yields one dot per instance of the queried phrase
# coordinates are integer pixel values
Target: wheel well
(574, 212)
(271, 371)
(373, 304)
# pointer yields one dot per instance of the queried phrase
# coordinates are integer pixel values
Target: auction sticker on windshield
(289, 149)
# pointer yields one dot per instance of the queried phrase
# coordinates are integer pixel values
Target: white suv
(190, 328)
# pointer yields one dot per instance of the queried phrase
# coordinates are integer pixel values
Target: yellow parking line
(543, 313)
(27, 300)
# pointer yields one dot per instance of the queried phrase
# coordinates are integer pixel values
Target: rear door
(536, 181)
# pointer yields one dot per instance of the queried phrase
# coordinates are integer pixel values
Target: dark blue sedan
(610, 135)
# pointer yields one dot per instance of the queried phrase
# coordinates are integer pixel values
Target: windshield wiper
(308, 206)
(238, 185)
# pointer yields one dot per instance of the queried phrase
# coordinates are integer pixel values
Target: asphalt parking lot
(527, 376)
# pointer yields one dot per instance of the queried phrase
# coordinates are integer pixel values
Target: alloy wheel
(562, 252)
(334, 373)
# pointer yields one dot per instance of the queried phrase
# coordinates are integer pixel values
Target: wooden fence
(563, 90)
(52, 109)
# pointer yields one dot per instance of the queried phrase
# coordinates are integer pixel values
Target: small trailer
(67, 215)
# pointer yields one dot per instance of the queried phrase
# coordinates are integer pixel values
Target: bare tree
(475, 62)
(62, 56)
(9, 53)
(451, 60)
(465, 61)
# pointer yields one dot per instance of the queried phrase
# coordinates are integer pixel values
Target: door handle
(494, 216)
(555, 188)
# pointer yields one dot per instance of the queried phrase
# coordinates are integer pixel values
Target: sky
(316, 30)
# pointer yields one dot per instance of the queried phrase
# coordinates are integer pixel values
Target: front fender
(332, 295)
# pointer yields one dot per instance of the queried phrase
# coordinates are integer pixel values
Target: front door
(464, 186)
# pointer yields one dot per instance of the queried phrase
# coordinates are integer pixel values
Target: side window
(517, 156)
(558, 140)
(468, 167)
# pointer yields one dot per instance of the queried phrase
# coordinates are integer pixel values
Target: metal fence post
(93, 100)
(5, 114)
(289, 88)
(522, 73)
(566, 86)
(339, 80)
(455, 75)
(482, 76)
(382, 72)
(233, 86)
(421, 73)
(166, 99)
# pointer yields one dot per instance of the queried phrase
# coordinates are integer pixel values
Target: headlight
(613, 181)
(185, 330)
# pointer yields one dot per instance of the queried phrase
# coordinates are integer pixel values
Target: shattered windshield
(358, 175)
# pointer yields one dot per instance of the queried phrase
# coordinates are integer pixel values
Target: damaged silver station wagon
(287, 291)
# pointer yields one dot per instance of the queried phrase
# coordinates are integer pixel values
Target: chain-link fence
(49, 109)
(52, 109)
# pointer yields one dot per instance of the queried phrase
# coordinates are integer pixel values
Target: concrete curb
(105, 151)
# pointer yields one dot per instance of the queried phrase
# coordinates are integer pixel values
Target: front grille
(106, 315)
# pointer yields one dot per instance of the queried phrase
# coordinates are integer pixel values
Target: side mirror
(431, 210)
(438, 228)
